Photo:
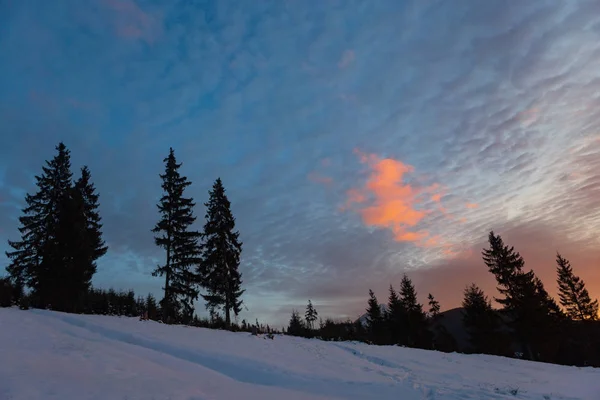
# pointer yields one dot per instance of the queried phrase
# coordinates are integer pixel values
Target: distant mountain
(452, 321)
(363, 318)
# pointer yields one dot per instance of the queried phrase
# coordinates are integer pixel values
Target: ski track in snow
(51, 355)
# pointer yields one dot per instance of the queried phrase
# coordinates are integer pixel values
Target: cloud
(386, 201)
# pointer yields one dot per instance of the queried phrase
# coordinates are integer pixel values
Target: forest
(52, 264)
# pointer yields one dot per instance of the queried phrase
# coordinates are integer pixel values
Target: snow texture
(50, 355)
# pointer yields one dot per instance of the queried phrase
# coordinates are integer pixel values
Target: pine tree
(219, 269)
(35, 260)
(507, 265)
(418, 332)
(532, 313)
(441, 338)
(180, 243)
(310, 315)
(408, 296)
(71, 254)
(573, 294)
(434, 307)
(375, 320)
(374, 315)
(152, 308)
(79, 241)
(86, 191)
(296, 326)
(480, 320)
(397, 318)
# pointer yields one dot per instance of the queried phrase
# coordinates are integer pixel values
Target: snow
(51, 355)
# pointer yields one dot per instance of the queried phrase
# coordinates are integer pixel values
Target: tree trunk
(227, 298)
(167, 302)
(227, 307)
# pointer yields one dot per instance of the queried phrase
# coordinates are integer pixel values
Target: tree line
(53, 263)
(528, 323)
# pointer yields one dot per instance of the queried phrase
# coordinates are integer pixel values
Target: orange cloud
(472, 205)
(393, 204)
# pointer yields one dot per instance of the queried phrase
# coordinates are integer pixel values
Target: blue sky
(446, 119)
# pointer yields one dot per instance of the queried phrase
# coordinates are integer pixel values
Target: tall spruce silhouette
(180, 242)
(375, 319)
(573, 295)
(396, 318)
(532, 313)
(296, 325)
(35, 260)
(81, 238)
(310, 315)
(86, 191)
(417, 330)
(221, 249)
(480, 320)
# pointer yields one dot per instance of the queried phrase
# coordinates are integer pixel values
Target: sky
(357, 141)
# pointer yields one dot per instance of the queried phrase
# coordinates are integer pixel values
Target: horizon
(356, 142)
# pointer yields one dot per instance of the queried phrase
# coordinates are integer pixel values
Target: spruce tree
(573, 294)
(296, 326)
(441, 338)
(152, 308)
(219, 269)
(532, 313)
(408, 296)
(418, 332)
(396, 318)
(310, 315)
(434, 306)
(434, 318)
(79, 241)
(374, 315)
(480, 320)
(70, 254)
(180, 243)
(36, 260)
(375, 319)
(85, 189)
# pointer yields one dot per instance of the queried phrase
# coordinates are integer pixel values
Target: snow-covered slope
(50, 355)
